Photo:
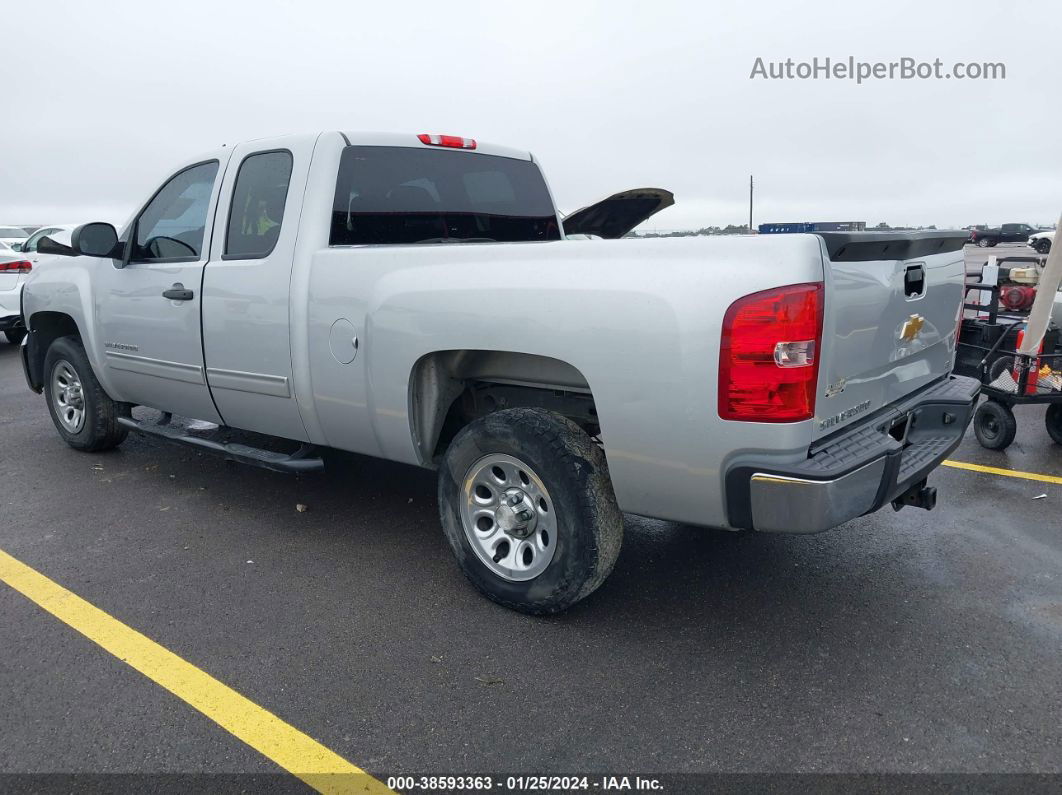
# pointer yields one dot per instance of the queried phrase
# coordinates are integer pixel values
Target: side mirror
(95, 240)
(16, 247)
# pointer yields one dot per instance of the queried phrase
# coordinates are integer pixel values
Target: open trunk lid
(891, 316)
(618, 214)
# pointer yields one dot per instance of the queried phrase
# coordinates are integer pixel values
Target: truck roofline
(363, 138)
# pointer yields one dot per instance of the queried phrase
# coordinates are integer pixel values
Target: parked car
(1008, 233)
(414, 298)
(13, 236)
(13, 270)
(1042, 241)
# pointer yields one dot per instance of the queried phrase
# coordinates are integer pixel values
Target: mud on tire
(588, 523)
(99, 429)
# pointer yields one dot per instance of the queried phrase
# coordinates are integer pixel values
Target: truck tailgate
(891, 313)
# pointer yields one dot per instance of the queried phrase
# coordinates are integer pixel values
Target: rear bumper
(858, 470)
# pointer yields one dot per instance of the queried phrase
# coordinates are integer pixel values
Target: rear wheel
(1053, 420)
(983, 242)
(83, 413)
(15, 335)
(994, 425)
(528, 509)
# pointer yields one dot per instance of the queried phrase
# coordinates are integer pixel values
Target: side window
(35, 239)
(1010, 227)
(257, 209)
(172, 226)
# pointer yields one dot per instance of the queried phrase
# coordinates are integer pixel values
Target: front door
(148, 312)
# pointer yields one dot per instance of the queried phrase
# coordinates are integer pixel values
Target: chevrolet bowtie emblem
(911, 327)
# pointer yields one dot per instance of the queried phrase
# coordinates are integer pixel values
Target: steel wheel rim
(68, 397)
(508, 517)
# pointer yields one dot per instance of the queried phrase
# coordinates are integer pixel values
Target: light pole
(750, 204)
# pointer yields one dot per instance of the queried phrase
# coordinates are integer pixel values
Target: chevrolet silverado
(418, 298)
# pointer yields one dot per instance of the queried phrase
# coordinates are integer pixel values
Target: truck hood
(618, 214)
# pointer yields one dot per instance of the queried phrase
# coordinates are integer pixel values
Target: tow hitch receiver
(919, 495)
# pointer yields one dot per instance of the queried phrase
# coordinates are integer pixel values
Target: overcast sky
(102, 99)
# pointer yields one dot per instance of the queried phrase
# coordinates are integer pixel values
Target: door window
(172, 226)
(257, 209)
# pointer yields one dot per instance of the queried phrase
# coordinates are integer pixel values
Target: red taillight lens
(18, 266)
(453, 141)
(768, 357)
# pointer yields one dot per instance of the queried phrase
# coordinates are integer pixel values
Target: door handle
(178, 293)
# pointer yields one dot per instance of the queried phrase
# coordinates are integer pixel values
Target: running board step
(302, 460)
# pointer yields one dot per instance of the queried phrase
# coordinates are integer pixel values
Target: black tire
(1043, 246)
(99, 429)
(983, 242)
(588, 523)
(994, 425)
(15, 335)
(992, 243)
(1053, 421)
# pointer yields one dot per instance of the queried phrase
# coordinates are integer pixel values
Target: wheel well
(449, 389)
(47, 327)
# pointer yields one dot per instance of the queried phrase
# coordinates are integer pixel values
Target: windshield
(397, 194)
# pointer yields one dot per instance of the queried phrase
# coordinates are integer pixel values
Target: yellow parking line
(1010, 473)
(294, 751)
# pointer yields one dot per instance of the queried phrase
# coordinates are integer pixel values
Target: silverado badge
(912, 327)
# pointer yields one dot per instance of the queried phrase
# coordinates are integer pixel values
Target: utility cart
(988, 350)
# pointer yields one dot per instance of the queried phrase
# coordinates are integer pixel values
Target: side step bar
(302, 460)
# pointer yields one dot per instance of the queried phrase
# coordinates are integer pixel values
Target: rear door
(246, 307)
(891, 315)
(1010, 233)
(147, 312)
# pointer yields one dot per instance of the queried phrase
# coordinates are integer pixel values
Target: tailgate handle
(914, 281)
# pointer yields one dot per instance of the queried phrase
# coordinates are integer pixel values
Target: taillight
(18, 266)
(453, 141)
(768, 356)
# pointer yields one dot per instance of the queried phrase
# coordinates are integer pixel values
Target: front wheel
(994, 425)
(1053, 420)
(528, 509)
(83, 413)
(1043, 246)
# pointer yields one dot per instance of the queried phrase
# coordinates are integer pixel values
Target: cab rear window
(404, 195)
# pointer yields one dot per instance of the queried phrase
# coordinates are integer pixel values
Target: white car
(13, 271)
(16, 262)
(12, 235)
(1042, 241)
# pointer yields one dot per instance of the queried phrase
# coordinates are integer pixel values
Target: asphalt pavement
(902, 642)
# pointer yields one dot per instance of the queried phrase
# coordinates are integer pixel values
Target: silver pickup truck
(420, 299)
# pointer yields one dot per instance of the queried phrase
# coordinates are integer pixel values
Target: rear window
(397, 194)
